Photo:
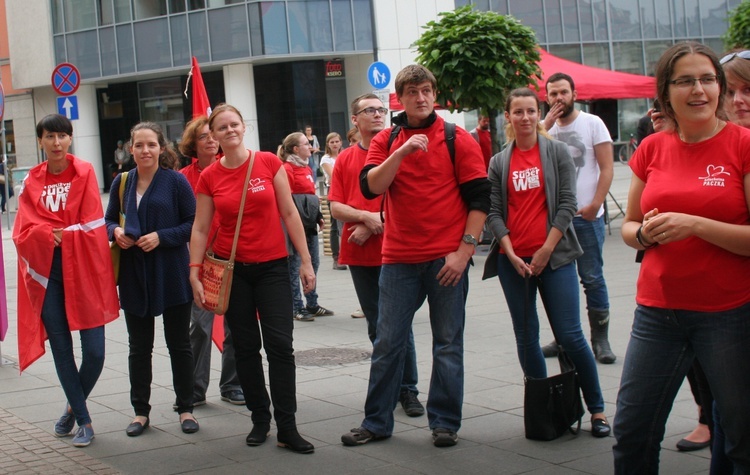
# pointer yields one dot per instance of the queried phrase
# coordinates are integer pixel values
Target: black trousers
(141, 341)
(260, 315)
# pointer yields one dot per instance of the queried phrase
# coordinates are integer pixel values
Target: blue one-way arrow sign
(68, 106)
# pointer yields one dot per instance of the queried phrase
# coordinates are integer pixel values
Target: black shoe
(685, 445)
(291, 439)
(600, 428)
(359, 436)
(319, 311)
(550, 349)
(234, 396)
(189, 426)
(444, 437)
(259, 434)
(410, 403)
(136, 428)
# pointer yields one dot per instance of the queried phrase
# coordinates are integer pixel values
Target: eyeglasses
(685, 83)
(373, 110)
(742, 54)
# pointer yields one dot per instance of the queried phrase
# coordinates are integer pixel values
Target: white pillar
(86, 140)
(239, 87)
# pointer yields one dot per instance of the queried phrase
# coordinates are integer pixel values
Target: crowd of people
(411, 202)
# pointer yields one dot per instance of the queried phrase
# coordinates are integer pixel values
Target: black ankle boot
(293, 441)
(599, 321)
(258, 435)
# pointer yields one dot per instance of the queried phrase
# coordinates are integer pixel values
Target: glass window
(481, 5)
(145, 9)
(106, 12)
(79, 14)
(628, 57)
(196, 4)
(553, 18)
(161, 102)
(529, 12)
(500, 6)
(108, 51)
(125, 52)
(199, 36)
(586, 15)
(363, 25)
(571, 29)
(596, 55)
(83, 51)
(57, 16)
(713, 16)
(343, 34)
(60, 55)
(228, 33)
(180, 40)
(310, 26)
(270, 36)
(569, 52)
(122, 11)
(653, 51)
(624, 20)
(663, 25)
(680, 30)
(629, 111)
(152, 44)
(601, 31)
(648, 19)
(176, 6)
(693, 19)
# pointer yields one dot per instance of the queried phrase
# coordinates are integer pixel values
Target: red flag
(201, 105)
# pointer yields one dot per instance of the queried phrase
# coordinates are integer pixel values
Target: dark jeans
(335, 237)
(295, 262)
(260, 316)
(201, 331)
(365, 279)
(76, 383)
(141, 341)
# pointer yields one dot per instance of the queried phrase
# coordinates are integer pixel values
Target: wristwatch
(469, 239)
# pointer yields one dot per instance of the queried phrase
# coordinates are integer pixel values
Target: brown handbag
(216, 274)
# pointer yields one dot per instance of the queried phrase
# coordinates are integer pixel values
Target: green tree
(477, 58)
(738, 33)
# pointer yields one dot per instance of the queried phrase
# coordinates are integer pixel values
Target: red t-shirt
(56, 189)
(193, 173)
(300, 179)
(485, 143)
(424, 212)
(527, 202)
(261, 236)
(345, 189)
(703, 179)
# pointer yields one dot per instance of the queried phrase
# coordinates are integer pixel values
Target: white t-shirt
(330, 160)
(585, 132)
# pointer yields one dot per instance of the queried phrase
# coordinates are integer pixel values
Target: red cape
(90, 293)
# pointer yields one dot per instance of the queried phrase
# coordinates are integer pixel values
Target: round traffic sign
(65, 79)
(379, 75)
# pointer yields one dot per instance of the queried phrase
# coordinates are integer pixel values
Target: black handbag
(552, 405)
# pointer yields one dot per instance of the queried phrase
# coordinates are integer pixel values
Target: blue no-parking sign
(379, 75)
(65, 79)
(68, 106)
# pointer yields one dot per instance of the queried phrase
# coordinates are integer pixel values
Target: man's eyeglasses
(373, 110)
(742, 54)
(685, 83)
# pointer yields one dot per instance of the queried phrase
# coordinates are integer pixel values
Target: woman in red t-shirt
(261, 274)
(533, 202)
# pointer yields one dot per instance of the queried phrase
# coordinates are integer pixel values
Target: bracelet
(639, 238)
(196, 265)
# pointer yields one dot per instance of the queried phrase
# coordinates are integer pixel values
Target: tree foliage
(738, 33)
(477, 58)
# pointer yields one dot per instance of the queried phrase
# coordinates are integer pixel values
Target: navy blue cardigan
(152, 281)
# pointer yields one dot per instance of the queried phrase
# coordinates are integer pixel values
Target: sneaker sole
(444, 442)
(233, 401)
(83, 444)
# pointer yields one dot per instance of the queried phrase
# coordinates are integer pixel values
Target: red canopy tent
(591, 83)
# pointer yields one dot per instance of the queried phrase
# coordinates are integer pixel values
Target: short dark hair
(354, 106)
(414, 74)
(54, 123)
(559, 77)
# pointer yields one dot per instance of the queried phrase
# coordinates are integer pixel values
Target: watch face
(469, 239)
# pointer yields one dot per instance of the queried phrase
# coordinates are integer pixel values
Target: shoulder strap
(242, 207)
(450, 140)
(122, 186)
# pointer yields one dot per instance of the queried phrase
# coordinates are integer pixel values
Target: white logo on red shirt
(526, 179)
(256, 185)
(55, 196)
(713, 176)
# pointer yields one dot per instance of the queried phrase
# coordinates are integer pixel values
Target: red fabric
(345, 189)
(424, 212)
(90, 294)
(300, 179)
(261, 236)
(703, 179)
(485, 143)
(527, 202)
(201, 105)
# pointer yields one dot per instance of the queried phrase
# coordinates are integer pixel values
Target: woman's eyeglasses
(742, 54)
(685, 83)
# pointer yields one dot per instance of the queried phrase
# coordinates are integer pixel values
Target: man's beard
(569, 108)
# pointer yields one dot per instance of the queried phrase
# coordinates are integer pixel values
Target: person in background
(353, 136)
(590, 146)
(482, 135)
(314, 152)
(65, 277)
(333, 148)
(198, 143)
(159, 208)
(3, 182)
(122, 158)
(533, 202)
(362, 239)
(295, 152)
(689, 196)
(260, 305)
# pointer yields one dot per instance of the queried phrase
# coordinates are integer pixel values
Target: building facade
(284, 63)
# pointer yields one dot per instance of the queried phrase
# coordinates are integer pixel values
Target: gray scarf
(297, 160)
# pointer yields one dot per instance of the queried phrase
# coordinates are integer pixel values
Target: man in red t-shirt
(435, 206)
(482, 135)
(362, 236)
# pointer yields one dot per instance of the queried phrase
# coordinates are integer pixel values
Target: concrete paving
(331, 398)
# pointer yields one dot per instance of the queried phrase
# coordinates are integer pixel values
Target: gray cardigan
(560, 189)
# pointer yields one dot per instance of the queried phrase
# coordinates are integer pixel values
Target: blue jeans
(295, 262)
(559, 292)
(662, 346)
(201, 332)
(403, 288)
(76, 383)
(366, 280)
(591, 264)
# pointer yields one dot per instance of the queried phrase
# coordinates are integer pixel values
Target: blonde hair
(287, 146)
(510, 134)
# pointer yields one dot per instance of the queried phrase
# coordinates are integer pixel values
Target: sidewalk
(333, 367)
